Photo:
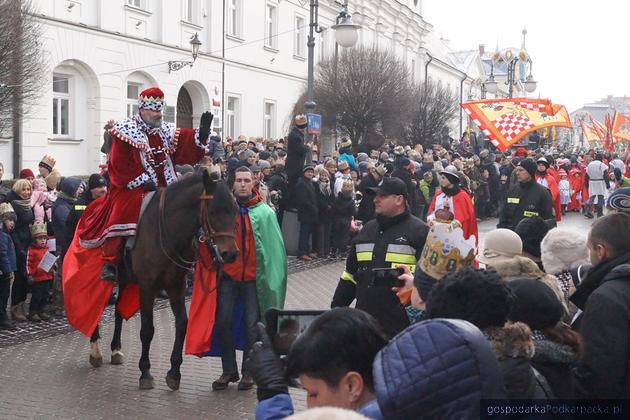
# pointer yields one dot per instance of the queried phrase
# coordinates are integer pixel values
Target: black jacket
(76, 212)
(525, 200)
(345, 207)
(555, 362)
(306, 201)
(366, 207)
(325, 205)
(296, 154)
(61, 210)
(382, 243)
(604, 296)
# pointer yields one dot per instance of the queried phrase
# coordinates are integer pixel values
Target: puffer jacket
(414, 380)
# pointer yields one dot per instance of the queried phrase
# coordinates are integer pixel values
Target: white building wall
(103, 44)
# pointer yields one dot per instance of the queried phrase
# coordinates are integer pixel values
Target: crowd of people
(533, 311)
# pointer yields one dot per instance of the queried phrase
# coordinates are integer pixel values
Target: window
(323, 47)
(190, 11)
(136, 3)
(231, 116)
(169, 114)
(133, 91)
(61, 105)
(269, 119)
(271, 24)
(234, 18)
(413, 70)
(300, 40)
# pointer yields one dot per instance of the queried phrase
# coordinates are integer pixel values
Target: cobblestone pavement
(50, 377)
(45, 372)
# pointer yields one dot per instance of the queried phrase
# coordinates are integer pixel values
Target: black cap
(307, 168)
(390, 186)
(95, 181)
(529, 165)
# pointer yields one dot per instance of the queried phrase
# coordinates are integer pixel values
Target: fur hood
(511, 341)
(522, 267)
(563, 249)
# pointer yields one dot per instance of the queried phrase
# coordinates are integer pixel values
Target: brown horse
(195, 211)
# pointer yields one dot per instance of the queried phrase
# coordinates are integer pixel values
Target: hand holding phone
(387, 277)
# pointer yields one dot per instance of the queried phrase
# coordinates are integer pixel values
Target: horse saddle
(131, 240)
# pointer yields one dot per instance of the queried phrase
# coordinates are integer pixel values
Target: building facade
(250, 70)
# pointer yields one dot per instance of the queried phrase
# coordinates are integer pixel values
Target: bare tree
(366, 93)
(22, 67)
(432, 109)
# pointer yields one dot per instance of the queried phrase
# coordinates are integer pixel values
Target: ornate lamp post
(194, 49)
(346, 35)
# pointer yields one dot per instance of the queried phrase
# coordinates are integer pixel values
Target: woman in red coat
(455, 199)
(577, 183)
(544, 178)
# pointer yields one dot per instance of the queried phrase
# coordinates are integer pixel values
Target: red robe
(461, 207)
(552, 185)
(577, 183)
(585, 194)
(135, 157)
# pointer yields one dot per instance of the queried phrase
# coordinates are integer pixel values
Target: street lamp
(194, 49)
(346, 35)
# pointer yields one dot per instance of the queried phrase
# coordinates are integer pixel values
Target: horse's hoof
(146, 383)
(172, 382)
(117, 357)
(96, 361)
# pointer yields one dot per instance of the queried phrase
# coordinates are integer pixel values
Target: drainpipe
(426, 69)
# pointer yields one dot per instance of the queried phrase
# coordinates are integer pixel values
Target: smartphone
(284, 327)
(387, 277)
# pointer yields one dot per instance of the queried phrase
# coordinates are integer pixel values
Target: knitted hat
(308, 168)
(521, 152)
(345, 143)
(535, 304)
(7, 212)
(96, 181)
(529, 165)
(620, 200)
(264, 155)
(404, 162)
(500, 245)
(452, 176)
(362, 157)
(263, 164)
(26, 173)
(542, 161)
(532, 230)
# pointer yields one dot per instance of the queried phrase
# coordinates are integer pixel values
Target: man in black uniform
(97, 187)
(394, 237)
(525, 199)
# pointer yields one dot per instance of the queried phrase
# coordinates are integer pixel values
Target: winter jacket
(514, 348)
(415, 379)
(525, 200)
(21, 234)
(7, 254)
(344, 207)
(325, 204)
(604, 297)
(366, 208)
(382, 243)
(60, 211)
(555, 362)
(4, 191)
(296, 153)
(306, 200)
(33, 259)
(215, 148)
(81, 203)
(345, 157)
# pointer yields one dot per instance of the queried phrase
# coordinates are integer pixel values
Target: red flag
(621, 126)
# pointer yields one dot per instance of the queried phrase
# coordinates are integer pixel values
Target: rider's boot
(109, 272)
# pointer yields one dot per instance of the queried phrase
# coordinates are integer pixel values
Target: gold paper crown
(445, 249)
(49, 160)
(38, 229)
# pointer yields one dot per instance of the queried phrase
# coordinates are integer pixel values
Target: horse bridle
(207, 233)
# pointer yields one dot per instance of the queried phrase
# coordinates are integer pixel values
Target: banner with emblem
(621, 126)
(589, 134)
(506, 121)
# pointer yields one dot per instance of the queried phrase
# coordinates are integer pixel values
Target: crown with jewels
(445, 249)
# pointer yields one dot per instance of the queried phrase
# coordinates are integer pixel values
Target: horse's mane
(223, 199)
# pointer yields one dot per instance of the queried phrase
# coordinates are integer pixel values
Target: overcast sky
(579, 49)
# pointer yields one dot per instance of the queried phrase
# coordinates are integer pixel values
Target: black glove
(205, 126)
(265, 367)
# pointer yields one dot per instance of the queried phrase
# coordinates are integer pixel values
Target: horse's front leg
(117, 355)
(147, 298)
(96, 358)
(177, 299)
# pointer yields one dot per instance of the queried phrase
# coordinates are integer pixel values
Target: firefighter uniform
(382, 243)
(528, 199)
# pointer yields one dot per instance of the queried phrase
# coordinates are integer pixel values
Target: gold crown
(445, 249)
(49, 160)
(38, 229)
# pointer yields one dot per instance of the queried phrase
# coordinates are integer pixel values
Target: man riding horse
(143, 155)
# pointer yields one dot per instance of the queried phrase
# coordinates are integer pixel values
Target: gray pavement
(49, 377)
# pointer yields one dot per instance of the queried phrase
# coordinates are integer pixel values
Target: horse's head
(221, 217)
